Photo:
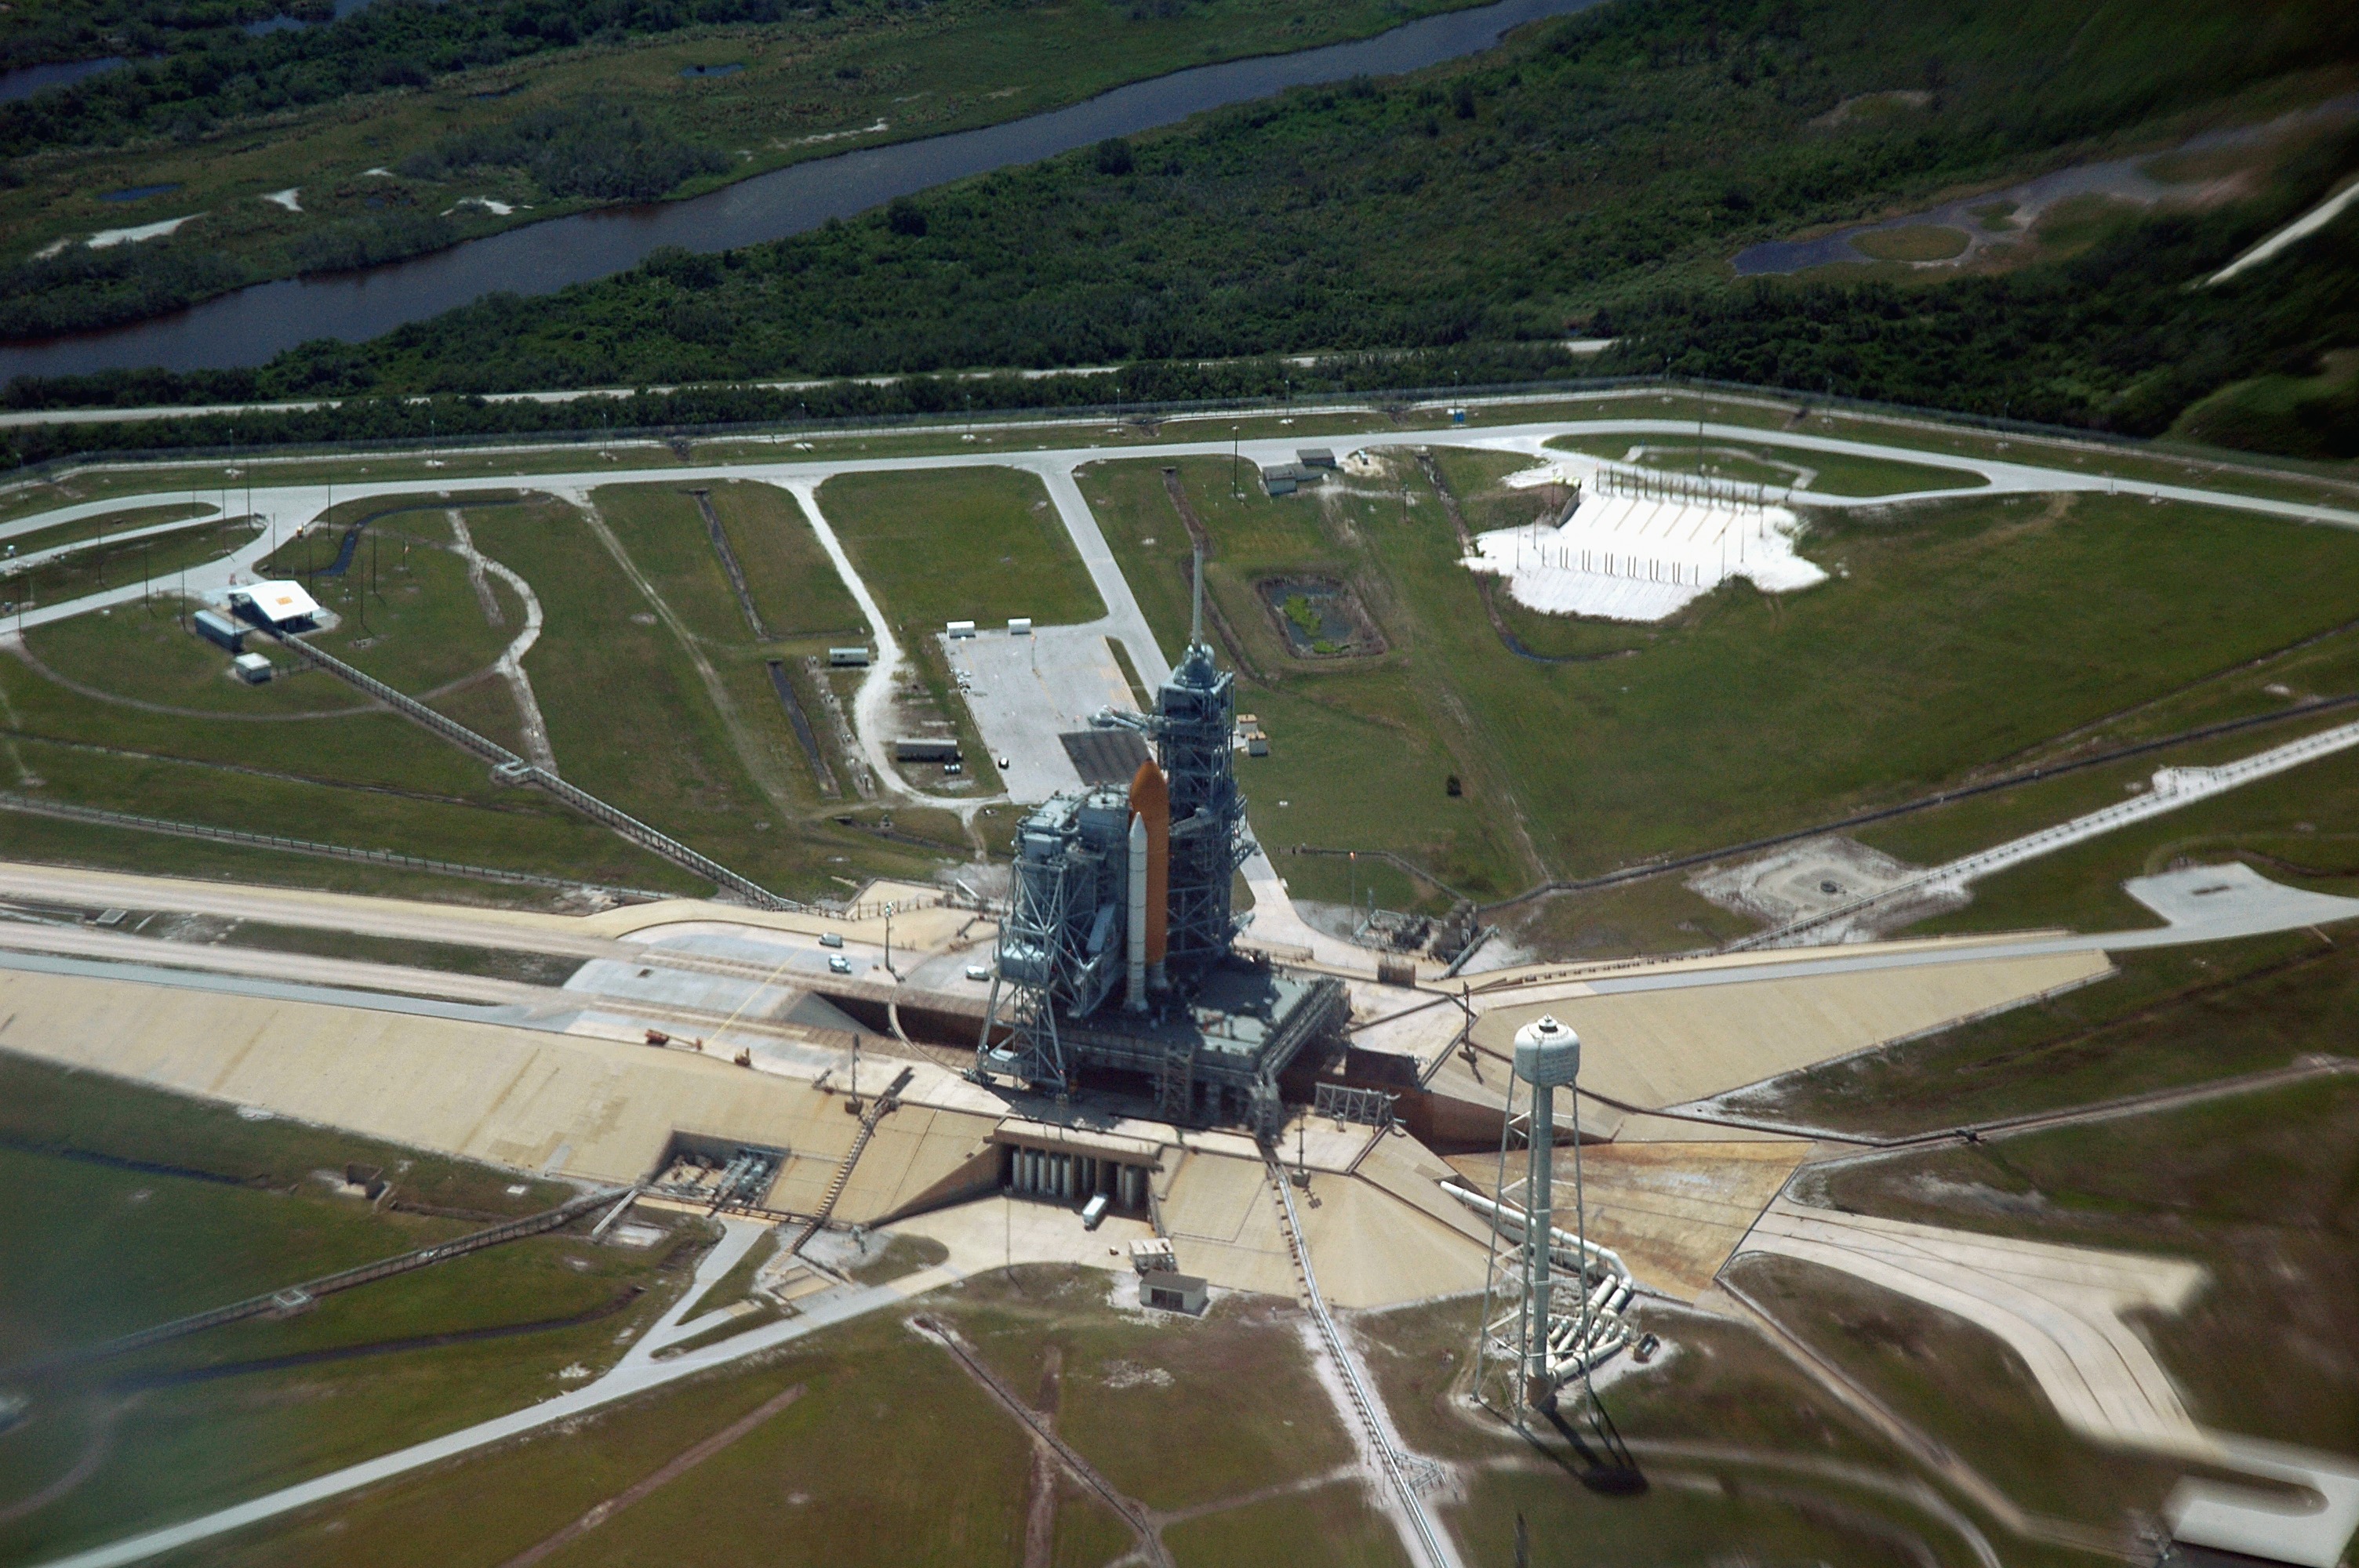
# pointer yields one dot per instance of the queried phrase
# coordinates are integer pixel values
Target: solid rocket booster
(1134, 997)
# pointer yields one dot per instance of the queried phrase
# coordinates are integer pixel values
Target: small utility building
(1284, 479)
(1173, 1293)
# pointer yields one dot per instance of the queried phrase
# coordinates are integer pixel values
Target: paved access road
(283, 507)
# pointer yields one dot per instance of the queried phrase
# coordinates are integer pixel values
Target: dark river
(253, 324)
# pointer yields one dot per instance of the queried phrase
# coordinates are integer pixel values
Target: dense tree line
(81, 288)
(1610, 154)
(61, 31)
(380, 418)
(1590, 177)
(2114, 339)
(224, 73)
(604, 150)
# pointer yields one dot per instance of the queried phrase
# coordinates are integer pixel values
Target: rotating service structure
(1116, 954)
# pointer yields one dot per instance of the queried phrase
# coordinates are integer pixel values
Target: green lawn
(794, 584)
(1763, 712)
(168, 734)
(450, 957)
(150, 654)
(968, 544)
(518, 831)
(1659, 914)
(132, 850)
(1762, 1422)
(1362, 750)
(409, 613)
(1746, 714)
(2300, 827)
(1962, 1385)
(117, 562)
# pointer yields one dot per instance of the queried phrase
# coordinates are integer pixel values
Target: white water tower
(1552, 1303)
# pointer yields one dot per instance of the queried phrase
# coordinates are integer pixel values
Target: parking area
(1025, 691)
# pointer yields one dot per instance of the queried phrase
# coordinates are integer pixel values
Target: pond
(1321, 618)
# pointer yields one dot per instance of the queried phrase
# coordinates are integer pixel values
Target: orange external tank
(1150, 799)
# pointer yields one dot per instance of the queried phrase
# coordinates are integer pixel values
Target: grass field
(1838, 473)
(794, 585)
(969, 544)
(2171, 1016)
(450, 957)
(1744, 715)
(661, 536)
(1657, 915)
(1329, 1525)
(176, 730)
(2200, 468)
(215, 1208)
(2258, 1188)
(1230, 1398)
(102, 526)
(120, 563)
(1876, 684)
(124, 849)
(630, 714)
(1734, 1440)
(2300, 827)
(408, 612)
(891, 1455)
(1361, 749)
(1961, 1384)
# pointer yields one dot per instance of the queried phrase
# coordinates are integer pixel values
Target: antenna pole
(1196, 620)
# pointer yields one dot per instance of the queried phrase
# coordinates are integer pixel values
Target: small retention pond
(1320, 617)
(251, 325)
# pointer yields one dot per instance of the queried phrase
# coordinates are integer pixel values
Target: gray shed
(1173, 1293)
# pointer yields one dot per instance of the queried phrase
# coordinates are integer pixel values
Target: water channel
(253, 324)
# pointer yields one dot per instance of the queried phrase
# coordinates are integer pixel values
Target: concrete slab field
(1675, 1212)
(1024, 692)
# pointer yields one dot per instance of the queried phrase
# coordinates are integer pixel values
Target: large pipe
(1567, 1245)
(1135, 995)
(1150, 801)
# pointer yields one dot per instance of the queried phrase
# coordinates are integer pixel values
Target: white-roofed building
(282, 605)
